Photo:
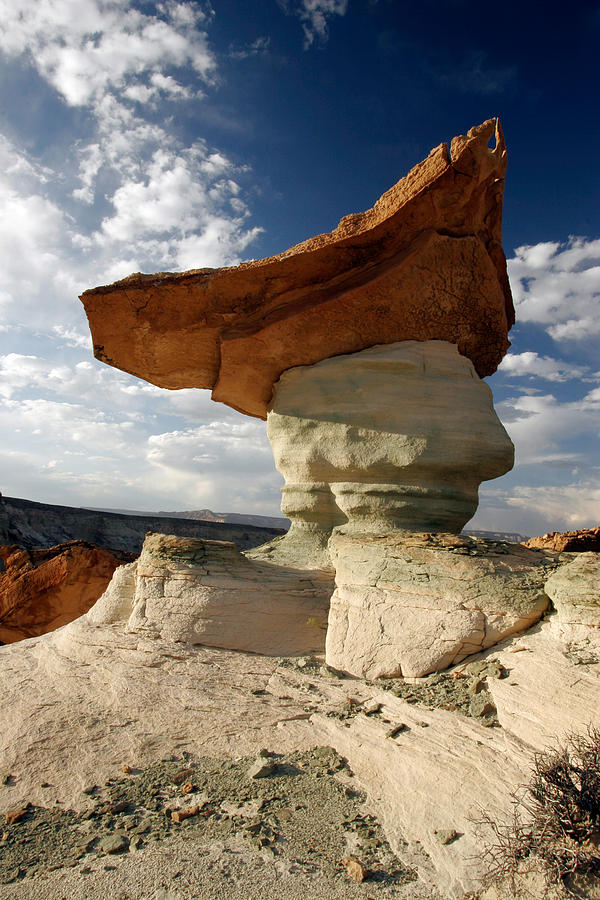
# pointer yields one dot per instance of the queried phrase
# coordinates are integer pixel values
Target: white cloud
(86, 47)
(543, 429)
(558, 286)
(314, 15)
(531, 364)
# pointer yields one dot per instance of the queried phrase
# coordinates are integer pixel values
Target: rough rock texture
(208, 593)
(586, 539)
(410, 604)
(41, 590)
(101, 697)
(575, 591)
(397, 436)
(36, 525)
(424, 263)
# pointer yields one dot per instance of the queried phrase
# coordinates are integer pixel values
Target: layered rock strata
(397, 437)
(40, 590)
(207, 593)
(41, 525)
(364, 349)
(424, 263)
(411, 604)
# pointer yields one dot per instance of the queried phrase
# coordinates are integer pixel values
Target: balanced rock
(410, 604)
(395, 437)
(425, 263)
(40, 590)
(207, 593)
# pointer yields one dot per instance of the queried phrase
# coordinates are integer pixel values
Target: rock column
(394, 438)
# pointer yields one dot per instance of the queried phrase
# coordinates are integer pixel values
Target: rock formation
(363, 348)
(40, 590)
(397, 437)
(411, 604)
(425, 263)
(586, 539)
(575, 591)
(207, 593)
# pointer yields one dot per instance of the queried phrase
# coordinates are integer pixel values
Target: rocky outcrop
(395, 437)
(575, 591)
(411, 604)
(424, 263)
(364, 349)
(40, 590)
(207, 593)
(36, 525)
(586, 539)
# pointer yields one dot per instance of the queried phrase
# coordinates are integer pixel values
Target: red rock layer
(576, 541)
(424, 263)
(40, 590)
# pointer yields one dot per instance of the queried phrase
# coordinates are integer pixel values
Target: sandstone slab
(410, 604)
(40, 590)
(575, 591)
(207, 593)
(424, 263)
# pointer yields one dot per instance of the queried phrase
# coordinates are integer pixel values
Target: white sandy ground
(78, 704)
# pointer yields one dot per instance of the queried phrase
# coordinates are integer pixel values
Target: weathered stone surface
(208, 593)
(99, 695)
(424, 263)
(410, 604)
(575, 591)
(398, 436)
(585, 539)
(40, 590)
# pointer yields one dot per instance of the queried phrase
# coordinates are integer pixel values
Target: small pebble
(446, 835)
(397, 729)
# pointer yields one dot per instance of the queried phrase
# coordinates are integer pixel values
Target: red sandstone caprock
(425, 263)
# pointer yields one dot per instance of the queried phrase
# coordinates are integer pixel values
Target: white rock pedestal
(397, 437)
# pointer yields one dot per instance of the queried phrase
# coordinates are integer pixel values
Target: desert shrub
(556, 817)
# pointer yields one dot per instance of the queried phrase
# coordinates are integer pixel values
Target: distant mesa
(425, 263)
(34, 525)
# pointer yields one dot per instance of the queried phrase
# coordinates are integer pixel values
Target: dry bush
(556, 817)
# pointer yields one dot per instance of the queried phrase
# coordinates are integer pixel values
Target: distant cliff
(38, 525)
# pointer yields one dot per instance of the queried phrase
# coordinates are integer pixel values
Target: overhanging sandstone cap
(425, 263)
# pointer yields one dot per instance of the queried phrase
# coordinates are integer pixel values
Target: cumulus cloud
(84, 48)
(533, 510)
(314, 16)
(70, 450)
(558, 286)
(544, 429)
(163, 205)
(531, 364)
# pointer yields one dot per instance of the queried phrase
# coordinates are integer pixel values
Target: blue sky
(146, 137)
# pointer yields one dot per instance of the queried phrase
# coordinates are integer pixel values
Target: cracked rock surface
(411, 604)
(79, 704)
